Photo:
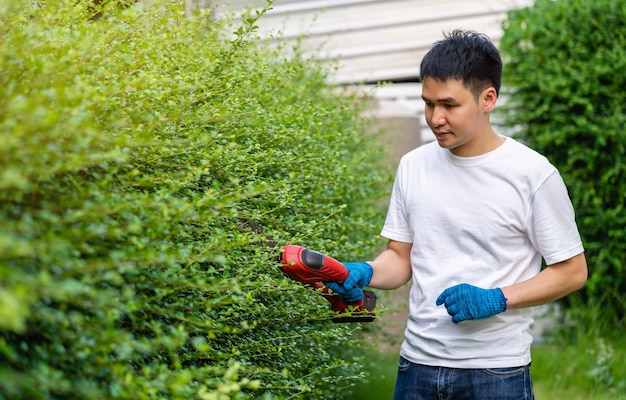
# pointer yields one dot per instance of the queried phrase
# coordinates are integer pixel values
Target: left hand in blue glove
(351, 290)
(465, 302)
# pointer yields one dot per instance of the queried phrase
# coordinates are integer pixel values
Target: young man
(471, 216)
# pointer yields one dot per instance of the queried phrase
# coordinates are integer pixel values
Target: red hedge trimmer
(313, 268)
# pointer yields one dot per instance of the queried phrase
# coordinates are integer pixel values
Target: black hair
(467, 56)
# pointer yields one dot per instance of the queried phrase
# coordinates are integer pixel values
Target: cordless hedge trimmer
(313, 268)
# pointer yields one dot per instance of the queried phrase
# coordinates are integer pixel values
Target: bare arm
(392, 267)
(554, 282)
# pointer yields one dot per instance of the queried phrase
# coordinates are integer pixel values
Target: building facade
(374, 41)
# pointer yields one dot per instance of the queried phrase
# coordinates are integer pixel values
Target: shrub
(137, 146)
(564, 64)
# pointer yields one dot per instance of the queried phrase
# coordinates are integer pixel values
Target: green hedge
(564, 70)
(137, 144)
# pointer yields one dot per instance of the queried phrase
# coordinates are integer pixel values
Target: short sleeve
(396, 225)
(551, 222)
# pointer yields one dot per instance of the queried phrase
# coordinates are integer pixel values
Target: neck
(489, 142)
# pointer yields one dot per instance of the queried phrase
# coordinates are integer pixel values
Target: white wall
(376, 40)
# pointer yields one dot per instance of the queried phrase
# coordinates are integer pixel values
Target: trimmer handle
(307, 266)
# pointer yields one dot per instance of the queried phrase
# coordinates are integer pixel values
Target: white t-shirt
(487, 221)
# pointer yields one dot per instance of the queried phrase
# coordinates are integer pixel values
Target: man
(470, 218)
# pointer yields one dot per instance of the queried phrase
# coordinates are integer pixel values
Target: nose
(437, 117)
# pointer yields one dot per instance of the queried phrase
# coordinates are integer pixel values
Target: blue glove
(470, 302)
(351, 290)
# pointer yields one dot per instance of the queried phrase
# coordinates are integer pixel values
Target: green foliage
(137, 144)
(564, 78)
(588, 368)
(383, 368)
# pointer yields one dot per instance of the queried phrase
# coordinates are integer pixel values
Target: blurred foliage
(137, 145)
(564, 81)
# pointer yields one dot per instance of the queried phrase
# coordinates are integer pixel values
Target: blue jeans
(421, 382)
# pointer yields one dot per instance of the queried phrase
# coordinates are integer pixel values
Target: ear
(488, 99)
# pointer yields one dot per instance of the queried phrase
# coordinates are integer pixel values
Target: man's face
(459, 121)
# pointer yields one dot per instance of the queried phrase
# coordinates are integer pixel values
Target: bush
(564, 74)
(139, 149)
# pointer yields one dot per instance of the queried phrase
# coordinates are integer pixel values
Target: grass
(589, 368)
(382, 376)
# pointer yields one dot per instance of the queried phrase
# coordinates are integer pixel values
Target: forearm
(392, 267)
(554, 282)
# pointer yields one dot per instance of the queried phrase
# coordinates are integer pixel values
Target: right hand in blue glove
(351, 290)
(465, 302)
